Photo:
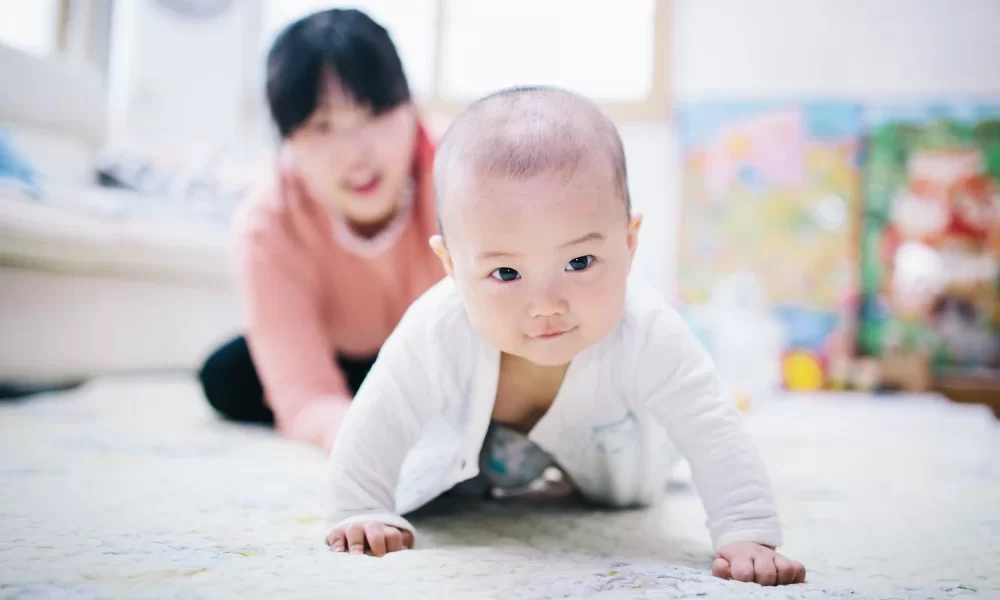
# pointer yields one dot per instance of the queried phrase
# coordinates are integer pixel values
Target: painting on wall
(931, 234)
(772, 189)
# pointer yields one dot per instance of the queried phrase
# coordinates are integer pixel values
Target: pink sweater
(313, 290)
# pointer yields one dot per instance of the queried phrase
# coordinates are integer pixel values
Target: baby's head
(535, 219)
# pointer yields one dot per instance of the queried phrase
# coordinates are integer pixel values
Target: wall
(175, 80)
(844, 48)
(722, 49)
(853, 49)
(30, 27)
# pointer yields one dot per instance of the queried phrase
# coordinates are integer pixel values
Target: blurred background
(819, 179)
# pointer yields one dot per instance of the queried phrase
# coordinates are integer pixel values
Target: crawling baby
(538, 353)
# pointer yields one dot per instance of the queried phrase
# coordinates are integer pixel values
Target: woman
(331, 257)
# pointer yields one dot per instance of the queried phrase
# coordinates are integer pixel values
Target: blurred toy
(964, 330)
(742, 402)
(845, 369)
(861, 374)
(772, 189)
(905, 359)
(866, 375)
(931, 242)
(803, 372)
(908, 371)
(975, 208)
(841, 345)
(747, 339)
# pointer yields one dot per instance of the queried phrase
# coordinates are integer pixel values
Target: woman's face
(352, 160)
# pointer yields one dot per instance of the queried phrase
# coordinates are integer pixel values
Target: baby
(536, 353)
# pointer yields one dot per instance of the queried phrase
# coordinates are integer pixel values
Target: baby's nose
(548, 302)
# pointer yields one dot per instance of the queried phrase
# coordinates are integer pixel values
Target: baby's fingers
(800, 572)
(786, 570)
(789, 571)
(720, 568)
(765, 572)
(375, 534)
(337, 540)
(393, 539)
(356, 538)
(741, 568)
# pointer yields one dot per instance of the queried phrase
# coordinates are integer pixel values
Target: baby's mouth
(550, 334)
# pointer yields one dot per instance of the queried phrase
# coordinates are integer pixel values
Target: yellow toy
(802, 372)
(742, 402)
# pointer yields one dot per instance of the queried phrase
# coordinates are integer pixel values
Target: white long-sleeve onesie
(417, 424)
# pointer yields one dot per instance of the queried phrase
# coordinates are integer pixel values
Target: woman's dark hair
(349, 45)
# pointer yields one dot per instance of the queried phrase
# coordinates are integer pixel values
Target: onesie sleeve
(680, 386)
(398, 398)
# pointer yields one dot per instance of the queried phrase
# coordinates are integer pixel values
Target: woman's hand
(318, 423)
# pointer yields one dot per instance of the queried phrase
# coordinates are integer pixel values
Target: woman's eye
(580, 263)
(505, 274)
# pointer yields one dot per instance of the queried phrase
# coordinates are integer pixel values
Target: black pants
(233, 388)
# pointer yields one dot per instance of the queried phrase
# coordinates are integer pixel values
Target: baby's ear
(634, 224)
(439, 248)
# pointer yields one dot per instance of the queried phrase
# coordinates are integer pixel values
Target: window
(457, 50)
(613, 52)
(603, 50)
(30, 25)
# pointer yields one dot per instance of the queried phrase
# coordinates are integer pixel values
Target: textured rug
(130, 488)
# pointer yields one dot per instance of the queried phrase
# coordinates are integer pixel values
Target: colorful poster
(931, 233)
(773, 189)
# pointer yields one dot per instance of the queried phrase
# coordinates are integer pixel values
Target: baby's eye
(505, 274)
(580, 263)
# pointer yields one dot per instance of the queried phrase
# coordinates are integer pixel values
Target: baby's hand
(372, 537)
(746, 561)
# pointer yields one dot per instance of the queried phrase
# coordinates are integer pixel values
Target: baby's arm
(385, 420)
(681, 388)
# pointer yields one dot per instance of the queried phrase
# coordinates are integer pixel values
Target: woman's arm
(285, 330)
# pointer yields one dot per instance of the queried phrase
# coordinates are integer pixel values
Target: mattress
(131, 488)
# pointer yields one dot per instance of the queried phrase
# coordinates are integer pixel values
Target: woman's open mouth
(366, 188)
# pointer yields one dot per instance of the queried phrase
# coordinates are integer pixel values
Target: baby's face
(541, 264)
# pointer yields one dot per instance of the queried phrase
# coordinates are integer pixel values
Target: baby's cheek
(494, 315)
(503, 312)
(604, 306)
(489, 299)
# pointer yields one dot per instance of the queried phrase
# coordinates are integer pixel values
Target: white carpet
(132, 489)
